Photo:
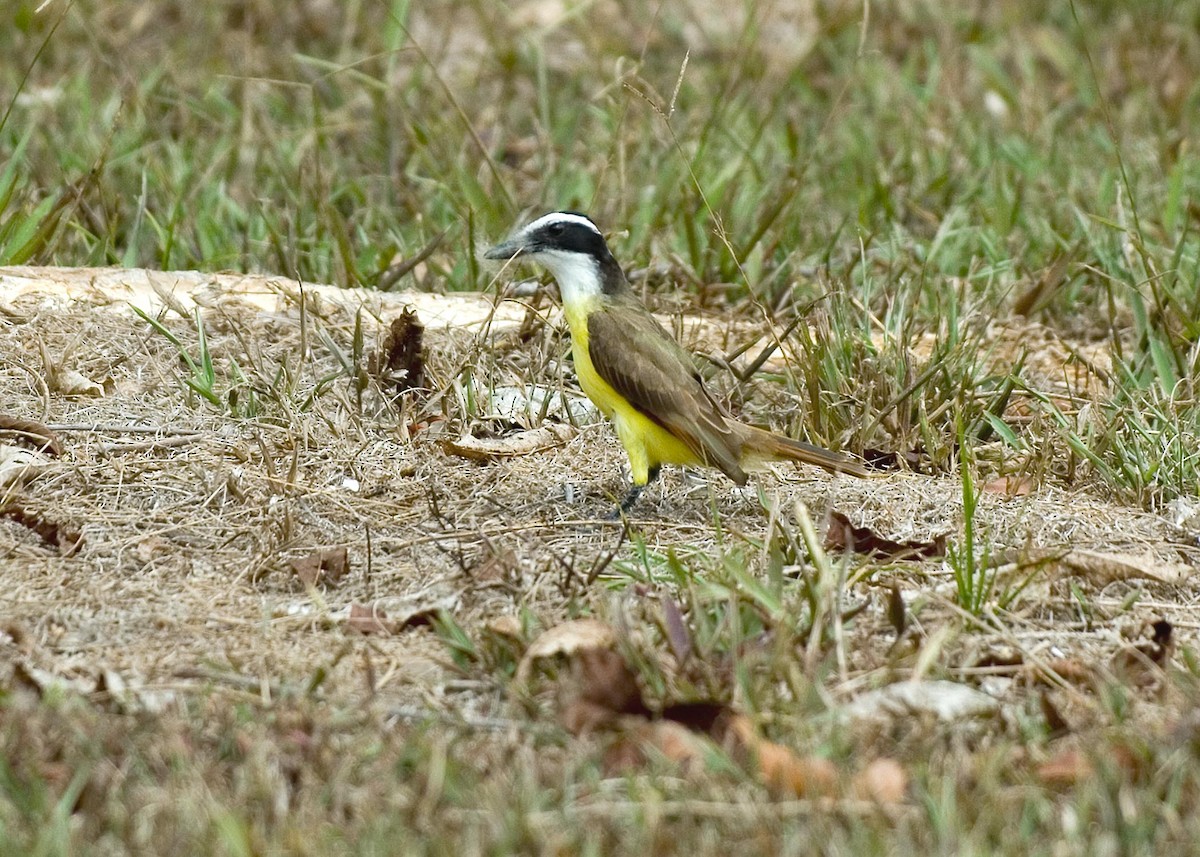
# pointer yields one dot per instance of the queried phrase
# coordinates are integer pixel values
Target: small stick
(118, 428)
(151, 444)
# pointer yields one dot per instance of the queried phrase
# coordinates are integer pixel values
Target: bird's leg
(634, 493)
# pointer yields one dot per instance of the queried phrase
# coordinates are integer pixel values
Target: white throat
(577, 275)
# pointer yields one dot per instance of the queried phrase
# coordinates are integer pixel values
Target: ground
(155, 566)
(305, 533)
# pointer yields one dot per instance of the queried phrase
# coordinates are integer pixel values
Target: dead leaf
(1105, 568)
(678, 636)
(665, 739)
(566, 639)
(506, 626)
(1000, 657)
(45, 439)
(495, 566)
(802, 776)
(841, 535)
(1142, 664)
(42, 681)
(1071, 670)
(20, 635)
(513, 445)
(1056, 724)
(419, 608)
(1011, 486)
(328, 565)
(18, 464)
(150, 548)
(1101, 568)
(401, 362)
(368, 619)
(883, 780)
(69, 382)
(783, 770)
(605, 688)
(1066, 769)
(65, 538)
(945, 700)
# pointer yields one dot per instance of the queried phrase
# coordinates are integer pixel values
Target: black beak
(505, 250)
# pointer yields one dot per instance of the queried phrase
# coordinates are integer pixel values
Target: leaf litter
(191, 551)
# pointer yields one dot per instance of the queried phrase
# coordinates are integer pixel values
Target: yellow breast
(646, 442)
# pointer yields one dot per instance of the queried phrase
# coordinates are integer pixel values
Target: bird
(637, 374)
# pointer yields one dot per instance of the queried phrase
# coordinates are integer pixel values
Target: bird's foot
(628, 503)
(634, 493)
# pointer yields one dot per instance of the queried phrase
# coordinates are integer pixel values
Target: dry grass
(978, 225)
(204, 695)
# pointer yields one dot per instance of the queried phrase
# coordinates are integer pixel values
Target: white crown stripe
(561, 217)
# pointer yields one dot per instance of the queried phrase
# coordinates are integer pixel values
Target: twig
(414, 714)
(119, 428)
(161, 443)
(390, 276)
(713, 809)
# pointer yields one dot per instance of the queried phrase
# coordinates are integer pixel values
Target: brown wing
(632, 352)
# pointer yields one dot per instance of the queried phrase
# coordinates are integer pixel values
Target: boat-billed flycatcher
(635, 371)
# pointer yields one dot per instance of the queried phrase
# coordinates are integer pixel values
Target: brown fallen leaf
(43, 682)
(663, 739)
(1142, 664)
(1056, 725)
(43, 438)
(605, 689)
(1070, 670)
(1073, 766)
(70, 382)
(513, 445)
(1066, 769)
(605, 695)
(328, 565)
(368, 619)
(495, 565)
(1011, 486)
(505, 626)
(1101, 568)
(678, 636)
(883, 780)
(783, 770)
(401, 361)
(418, 608)
(65, 538)
(566, 639)
(842, 535)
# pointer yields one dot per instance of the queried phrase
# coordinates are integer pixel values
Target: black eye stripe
(571, 237)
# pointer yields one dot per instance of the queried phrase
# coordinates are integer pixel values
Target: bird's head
(571, 247)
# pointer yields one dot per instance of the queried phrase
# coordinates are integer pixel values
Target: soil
(168, 543)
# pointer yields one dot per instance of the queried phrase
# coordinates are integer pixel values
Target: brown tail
(760, 445)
